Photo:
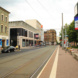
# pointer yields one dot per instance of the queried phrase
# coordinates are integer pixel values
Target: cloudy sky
(47, 12)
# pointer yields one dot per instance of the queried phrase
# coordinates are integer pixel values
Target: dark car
(8, 49)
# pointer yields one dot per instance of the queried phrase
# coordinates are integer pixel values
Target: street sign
(76, 9)
(76, 22)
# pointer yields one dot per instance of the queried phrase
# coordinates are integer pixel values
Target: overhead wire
(44, 7)
(32, 8)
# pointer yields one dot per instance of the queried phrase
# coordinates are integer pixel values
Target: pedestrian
(30, 45)
(19, 47)
(16, 47)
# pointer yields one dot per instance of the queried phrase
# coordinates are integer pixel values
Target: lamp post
(62, 33)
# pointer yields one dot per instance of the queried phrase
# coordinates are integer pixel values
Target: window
(1, 28)
(2, 17)
(5, 19)
(25, 33)
(30, 34)
(5, 29)
(23, 42)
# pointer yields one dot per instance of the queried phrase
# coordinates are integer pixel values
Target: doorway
(3, 43)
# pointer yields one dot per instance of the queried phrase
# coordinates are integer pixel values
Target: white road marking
(46, 64)
(54, 68)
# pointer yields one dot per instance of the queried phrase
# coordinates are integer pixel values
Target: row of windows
(4, 18)
(22, 32)
(2, 27)
(18, 32)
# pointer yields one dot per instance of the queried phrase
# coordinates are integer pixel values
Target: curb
(46, 64)
(74, 54)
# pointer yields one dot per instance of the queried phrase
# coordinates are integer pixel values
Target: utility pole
(62, 33)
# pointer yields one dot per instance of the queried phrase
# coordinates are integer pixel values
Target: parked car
(8, 49)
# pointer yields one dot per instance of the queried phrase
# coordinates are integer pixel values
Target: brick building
(50, 37)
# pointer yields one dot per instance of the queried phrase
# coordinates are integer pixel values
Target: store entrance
(3, 43)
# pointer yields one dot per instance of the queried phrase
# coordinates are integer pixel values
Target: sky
(47, 12)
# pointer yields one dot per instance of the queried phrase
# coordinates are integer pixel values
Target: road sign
(76, 9)
(76, 22)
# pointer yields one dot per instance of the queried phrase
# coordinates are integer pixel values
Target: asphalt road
(24, 64)
(18, 52)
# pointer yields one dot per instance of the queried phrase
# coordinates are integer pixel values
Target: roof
(4, 9)
(21, 22)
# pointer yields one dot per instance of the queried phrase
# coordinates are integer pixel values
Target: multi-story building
(22, 34)
(4, 31)
(50, 36)
(37, 25)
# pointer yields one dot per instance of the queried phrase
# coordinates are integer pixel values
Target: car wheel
(8, 51)
(14, 50)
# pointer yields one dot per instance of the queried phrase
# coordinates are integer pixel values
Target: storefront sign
(36, 36)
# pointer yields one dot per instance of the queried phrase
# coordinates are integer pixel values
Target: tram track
(42, 65)
(18, 56)
(18, 71)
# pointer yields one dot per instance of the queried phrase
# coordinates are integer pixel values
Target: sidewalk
(67, 66)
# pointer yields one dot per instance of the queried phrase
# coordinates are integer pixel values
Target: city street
(33, 43)
(24, 64)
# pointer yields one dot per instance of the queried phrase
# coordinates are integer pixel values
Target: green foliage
(71, 32)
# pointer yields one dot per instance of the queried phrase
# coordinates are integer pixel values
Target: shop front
(4, 43)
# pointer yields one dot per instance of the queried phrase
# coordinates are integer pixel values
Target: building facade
(22, 34)
(50, 37)
(4, 28)
(58, 39)
(38, 26)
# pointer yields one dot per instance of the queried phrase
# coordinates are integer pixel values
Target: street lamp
(62, 33)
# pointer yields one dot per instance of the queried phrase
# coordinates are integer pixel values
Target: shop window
(27, 42)
(23, 42)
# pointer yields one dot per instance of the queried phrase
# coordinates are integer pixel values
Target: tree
(72, 33)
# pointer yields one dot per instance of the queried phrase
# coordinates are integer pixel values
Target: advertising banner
(36, 36)
(76, 22)
(7, 42)
(0, 42)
